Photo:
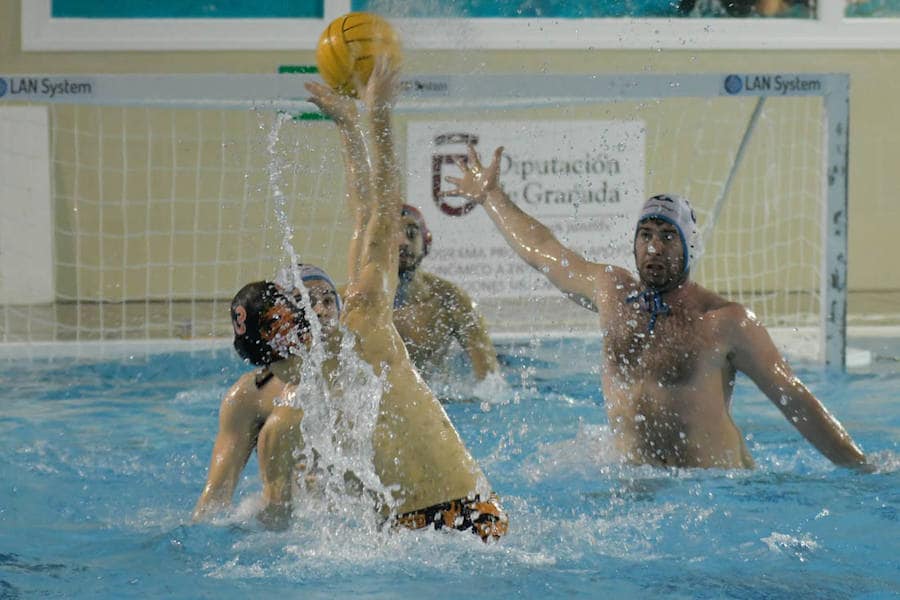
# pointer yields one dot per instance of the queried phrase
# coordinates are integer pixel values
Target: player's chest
(669, 352)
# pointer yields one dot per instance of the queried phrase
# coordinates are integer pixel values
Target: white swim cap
(285, 278)
(678, 212)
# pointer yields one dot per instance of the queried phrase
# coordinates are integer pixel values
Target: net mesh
(160, 214)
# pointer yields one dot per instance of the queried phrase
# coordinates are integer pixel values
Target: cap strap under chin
(650, 301)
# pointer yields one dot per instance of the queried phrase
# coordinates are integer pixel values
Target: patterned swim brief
(484, 518)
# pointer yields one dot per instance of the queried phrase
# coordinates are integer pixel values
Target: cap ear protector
(408, 210)
(676, 211)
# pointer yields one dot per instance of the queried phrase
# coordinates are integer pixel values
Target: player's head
(666, 240)
(268, 323)
(323, 294)
(415, 238)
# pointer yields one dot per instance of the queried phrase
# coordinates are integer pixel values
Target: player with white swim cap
(677, 212)
(671, 347)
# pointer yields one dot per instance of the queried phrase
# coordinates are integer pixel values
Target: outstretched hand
(341, 108)
(476, 181)
(380, 92)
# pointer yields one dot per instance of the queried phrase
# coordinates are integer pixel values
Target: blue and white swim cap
(285, 278)
(676, 211)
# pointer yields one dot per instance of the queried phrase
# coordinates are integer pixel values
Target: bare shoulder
(254, 391)
(371, 322)
(612, 273)
(447, 290)
(711, 304)
(243, 400)
(612, 283)
(363, 307)
(748, 344)
(729, 317)
(244, 386)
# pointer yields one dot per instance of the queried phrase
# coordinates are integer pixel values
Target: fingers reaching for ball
(384, 84)
(477, 181)
(348, 48)
(339, 107)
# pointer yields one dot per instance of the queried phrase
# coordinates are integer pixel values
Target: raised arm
(376, 280)
(531, 240)
(357, 174)
(754, 353)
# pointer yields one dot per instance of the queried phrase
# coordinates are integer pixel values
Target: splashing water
(124, 447)
(340, 413)
(277, 164)
(456, 384)
(340, 405)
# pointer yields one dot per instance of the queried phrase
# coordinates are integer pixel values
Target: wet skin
(668, 391)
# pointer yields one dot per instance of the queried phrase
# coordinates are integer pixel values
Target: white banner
(26, 230)
(582, 179)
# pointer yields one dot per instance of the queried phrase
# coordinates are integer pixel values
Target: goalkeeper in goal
(671, 347)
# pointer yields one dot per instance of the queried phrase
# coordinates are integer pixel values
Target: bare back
(416, 445)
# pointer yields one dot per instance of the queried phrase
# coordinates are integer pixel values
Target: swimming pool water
(102, 462)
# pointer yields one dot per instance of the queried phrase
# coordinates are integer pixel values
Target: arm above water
(754, 353)
(376, 280)
(342, 110)
(471, 333)
(279, 450)
(576, 277)
(239, 422)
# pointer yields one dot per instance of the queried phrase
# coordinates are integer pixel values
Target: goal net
(135, 206)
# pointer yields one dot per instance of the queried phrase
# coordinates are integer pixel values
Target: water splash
(340, 414)
(339, 395)
(591, 451)
(458, 385)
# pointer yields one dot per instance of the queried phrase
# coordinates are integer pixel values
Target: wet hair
(249, 308)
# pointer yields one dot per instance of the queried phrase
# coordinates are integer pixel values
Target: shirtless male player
(430, 312)
(248, 416)
(417, 452)
(671, 347)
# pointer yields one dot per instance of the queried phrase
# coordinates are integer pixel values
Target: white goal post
(167, 192)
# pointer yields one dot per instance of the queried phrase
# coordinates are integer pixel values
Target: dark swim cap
(255, 339)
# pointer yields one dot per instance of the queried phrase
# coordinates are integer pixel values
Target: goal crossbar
(428, 92)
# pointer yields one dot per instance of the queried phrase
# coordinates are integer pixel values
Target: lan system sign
(772, 84)
(44, 88)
